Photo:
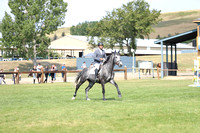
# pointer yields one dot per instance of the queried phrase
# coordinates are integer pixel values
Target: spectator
(34, 74)
(56, 69)
(2, 77)
(52, 72)
(46, 74)
(15, 75)
(63, 69)
(84, 65)
(39, 68)
(158, 70)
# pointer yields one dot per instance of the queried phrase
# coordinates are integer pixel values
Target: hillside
(175, 22)
(172, 23)
(59, 32)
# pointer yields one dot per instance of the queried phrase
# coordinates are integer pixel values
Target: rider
(99, 57)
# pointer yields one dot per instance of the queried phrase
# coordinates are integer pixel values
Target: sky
(93, 10)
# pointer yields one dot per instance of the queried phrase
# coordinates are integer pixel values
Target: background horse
(105, 75)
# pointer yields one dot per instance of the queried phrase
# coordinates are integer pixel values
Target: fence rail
(63, 71)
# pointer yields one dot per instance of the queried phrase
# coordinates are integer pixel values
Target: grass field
(163, 106)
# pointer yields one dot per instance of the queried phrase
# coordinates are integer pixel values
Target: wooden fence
(17, 73)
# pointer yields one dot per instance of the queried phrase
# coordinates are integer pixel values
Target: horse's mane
(107, 59)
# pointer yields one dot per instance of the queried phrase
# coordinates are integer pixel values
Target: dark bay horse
(106, 75)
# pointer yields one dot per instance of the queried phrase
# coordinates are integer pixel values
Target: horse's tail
(79, 75)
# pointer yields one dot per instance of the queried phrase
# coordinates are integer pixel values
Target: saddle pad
(92, 70)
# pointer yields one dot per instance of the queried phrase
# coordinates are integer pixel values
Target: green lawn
(157, 106)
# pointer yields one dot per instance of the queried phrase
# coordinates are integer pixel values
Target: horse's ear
(115, 51)
(119, 52)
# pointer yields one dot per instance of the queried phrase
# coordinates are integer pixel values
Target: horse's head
(117, 59)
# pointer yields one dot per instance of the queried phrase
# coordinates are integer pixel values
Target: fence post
(125, 72)
(65, 75)
(42, 76)
(17, 77)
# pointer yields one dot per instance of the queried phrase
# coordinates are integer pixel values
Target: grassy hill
(59, 32)
(175, 22)
(172, 23)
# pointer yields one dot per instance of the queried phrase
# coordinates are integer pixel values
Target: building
(68, 46)
(77, 46)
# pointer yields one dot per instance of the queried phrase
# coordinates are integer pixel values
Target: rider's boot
(96, 74)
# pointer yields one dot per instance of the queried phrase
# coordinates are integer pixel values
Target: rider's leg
(96, 65)
(96, 74)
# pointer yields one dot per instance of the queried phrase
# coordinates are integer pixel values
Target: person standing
(46, 74)
(63, 68)
(39, 68)
(158, 70)
(55, 69)
(15, 75)
(34, 74)
(2, 77)
(84, 65)
(52, 73)
(99, 57)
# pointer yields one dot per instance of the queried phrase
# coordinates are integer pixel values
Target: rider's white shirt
(100, 51)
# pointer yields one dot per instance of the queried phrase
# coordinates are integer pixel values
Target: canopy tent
(172, 41)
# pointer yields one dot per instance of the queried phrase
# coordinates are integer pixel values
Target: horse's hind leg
(103, 90)
(88, 88)
(115, 84)
(77, 87)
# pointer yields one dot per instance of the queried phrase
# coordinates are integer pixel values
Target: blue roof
(89, 55)
(192, 34)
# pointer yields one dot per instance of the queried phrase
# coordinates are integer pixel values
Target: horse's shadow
(100, 99)
(107, 99)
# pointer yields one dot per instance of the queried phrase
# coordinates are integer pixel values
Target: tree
(33, 20)
(82, 28)
(63, 34)
(123, 25)
(8, 35)
(158, 37)
(55, 37)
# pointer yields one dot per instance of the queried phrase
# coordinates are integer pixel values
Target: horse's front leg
(103, 90)
(77, 87)
(88, 88)
(115, 84)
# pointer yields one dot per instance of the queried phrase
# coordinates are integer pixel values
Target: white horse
(105, 75)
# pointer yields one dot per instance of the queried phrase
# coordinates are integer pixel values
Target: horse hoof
(73, 98)
(87, 99)
(120, 96)
(104, 99)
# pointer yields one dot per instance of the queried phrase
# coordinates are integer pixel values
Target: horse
(105, 75)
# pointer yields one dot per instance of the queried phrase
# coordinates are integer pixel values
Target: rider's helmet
(100, 44)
